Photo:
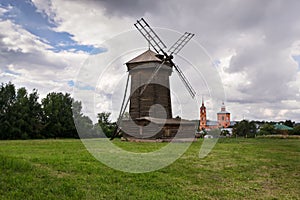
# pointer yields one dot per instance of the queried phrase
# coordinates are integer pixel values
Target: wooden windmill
(150, 84)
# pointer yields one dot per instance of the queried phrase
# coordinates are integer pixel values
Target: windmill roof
(147, 56)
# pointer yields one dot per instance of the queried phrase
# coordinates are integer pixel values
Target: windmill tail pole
(117, 129)
(122, 111)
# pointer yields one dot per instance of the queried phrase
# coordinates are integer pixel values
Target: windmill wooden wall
(157, 92)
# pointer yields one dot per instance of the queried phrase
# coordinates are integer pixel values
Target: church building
(223, 119)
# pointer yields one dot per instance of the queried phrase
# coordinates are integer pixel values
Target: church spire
(202, 120)
(223, 108)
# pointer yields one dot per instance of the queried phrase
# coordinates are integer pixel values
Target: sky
(249, 49)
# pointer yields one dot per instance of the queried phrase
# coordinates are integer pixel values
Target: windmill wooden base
(147, 128)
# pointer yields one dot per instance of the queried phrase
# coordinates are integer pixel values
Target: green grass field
(235, 169)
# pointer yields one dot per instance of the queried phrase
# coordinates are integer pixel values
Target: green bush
(296, 130)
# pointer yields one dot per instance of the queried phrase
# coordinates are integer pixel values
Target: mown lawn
(235, 169)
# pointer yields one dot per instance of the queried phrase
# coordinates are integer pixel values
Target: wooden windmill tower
(150, 84)
(144, 94)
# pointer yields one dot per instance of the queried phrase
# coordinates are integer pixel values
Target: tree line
(22, 116)
(251, 129)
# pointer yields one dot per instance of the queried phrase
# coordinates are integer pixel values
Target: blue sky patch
(11, 72)
(297, 59)
(80, 85)
(71, 83)
(216, 63)
(24, 13)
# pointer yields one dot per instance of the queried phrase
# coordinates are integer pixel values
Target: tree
(267, 129)
(245, 129)
(22, 116)
(296, 130)
(84, 124)
(27, 115)
(35, 115)
(225, 133)
(20, 113)
(7, 100)
(289, 123)
(105, 124)
(58, 116)
(21, 127)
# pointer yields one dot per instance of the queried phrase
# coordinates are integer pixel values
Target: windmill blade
(148, 33)
(180, 43)
(152, 76)
(185, 81)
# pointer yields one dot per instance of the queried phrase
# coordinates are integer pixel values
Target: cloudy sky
(253, 46)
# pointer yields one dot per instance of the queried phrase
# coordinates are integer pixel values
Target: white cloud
(87, 21)
(36, 66)
(253, 41)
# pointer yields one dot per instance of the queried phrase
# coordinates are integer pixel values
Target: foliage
(7, 100)
(84, 125)
(20, 113)
(107, 127)
(23, 117)
(58, 116)
(267, 129)
(225, 132)
(245, 129)
(289, 123)
(296, 130)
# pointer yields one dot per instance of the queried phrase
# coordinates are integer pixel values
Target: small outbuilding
(282, 129)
